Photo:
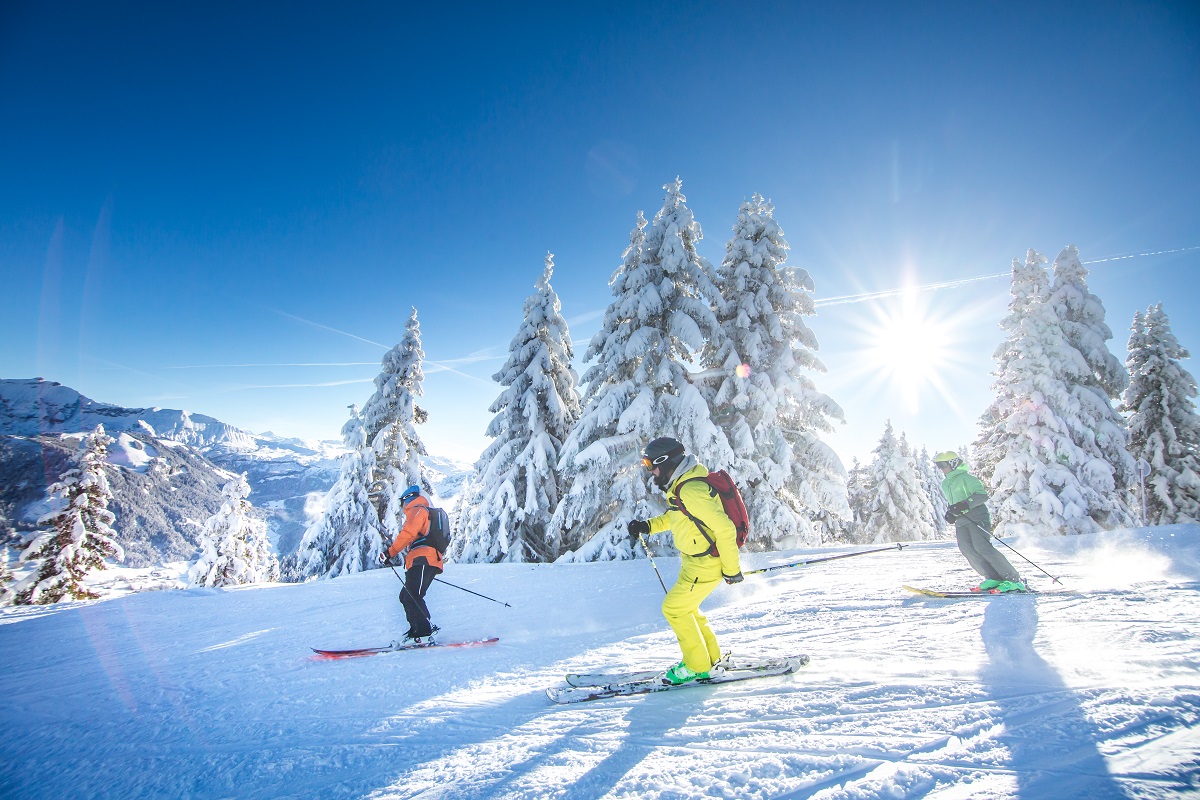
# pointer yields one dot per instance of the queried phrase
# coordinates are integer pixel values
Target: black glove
(637, 527)
(382, 558)
(950, 516)
(732, 579)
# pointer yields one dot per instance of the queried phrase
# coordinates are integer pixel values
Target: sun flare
(909, 350)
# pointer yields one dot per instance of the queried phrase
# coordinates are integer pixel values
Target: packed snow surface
(215, 693)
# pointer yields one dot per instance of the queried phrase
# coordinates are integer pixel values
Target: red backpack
(720, 483)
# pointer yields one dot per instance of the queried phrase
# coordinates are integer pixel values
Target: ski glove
(637, 527)
(382, 558)
(732, 579)
(957, 510)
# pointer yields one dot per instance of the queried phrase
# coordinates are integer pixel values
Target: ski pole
(650, 556)
(897, 546)
(1010, 547)
(477, 594)
(404, 588)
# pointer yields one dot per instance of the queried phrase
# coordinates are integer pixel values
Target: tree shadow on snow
(1051, 742)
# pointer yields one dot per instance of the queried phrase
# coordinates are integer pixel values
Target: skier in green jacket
(972, 526)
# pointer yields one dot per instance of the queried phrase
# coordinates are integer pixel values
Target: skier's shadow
(649, 720)
(1052, 743)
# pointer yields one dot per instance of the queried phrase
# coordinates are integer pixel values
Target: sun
(907, 348)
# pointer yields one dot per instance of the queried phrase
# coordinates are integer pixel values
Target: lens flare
(742, 370)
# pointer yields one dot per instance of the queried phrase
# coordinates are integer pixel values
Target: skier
(422, 564)
(972, 526)
(700, 573)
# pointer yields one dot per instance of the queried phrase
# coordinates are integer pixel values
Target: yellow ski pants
(698, 576)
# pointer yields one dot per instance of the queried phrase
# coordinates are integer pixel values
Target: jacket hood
(685, 470)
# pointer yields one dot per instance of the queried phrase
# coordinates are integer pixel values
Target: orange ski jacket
(416, 525)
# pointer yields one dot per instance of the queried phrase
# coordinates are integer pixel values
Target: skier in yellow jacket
(700, 572)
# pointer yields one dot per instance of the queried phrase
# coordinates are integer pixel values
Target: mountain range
(167, 469)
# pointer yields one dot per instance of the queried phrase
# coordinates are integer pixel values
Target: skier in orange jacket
(422, 564)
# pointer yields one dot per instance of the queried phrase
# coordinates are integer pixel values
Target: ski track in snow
(211, 693)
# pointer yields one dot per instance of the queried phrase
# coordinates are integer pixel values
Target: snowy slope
(209, 693)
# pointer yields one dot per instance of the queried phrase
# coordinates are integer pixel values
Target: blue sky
(231, 210)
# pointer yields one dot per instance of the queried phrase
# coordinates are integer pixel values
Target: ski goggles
(651, 464)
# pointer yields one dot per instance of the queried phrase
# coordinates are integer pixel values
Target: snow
(214, 693)
(130, 453)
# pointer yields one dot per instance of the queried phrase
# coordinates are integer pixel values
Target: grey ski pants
(975, 543)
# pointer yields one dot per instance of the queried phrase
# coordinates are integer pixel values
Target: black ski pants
(417, 580)
(975, 543)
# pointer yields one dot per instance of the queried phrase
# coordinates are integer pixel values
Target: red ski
(370, 651)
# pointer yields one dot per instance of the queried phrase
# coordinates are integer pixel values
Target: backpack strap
(700, 526)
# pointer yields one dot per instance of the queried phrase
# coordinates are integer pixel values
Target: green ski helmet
(948, 459)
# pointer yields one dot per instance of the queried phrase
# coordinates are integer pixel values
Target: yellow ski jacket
(704, 505)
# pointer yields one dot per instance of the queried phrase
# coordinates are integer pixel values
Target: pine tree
(640, 387)
(931, 481)
(794, 484)
(851, 531)
(80, 534)
(1041, 480)
(897, 508)
(347, 538)
(1030, 287)
(391, 416)
(1164, 428)
(233, 545)
(7, 595)
(1098, 429)
(516, 485)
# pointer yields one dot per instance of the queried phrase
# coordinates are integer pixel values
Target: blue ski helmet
(410, 494)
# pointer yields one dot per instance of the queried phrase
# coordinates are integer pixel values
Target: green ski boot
(681, 674)
(1010, 586)
(986, 586)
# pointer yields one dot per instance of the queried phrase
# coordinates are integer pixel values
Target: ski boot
(1005, 587)
(986, 586)
(679, 674)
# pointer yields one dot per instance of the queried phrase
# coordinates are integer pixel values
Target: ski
(606, 678)
(580, 694)
(982, 595)
(392, 648)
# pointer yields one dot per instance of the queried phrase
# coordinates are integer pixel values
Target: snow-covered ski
(729, 663)
(579, 694)
(391, 648)
(983, 595)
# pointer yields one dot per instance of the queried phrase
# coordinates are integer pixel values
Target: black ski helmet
(663, 452)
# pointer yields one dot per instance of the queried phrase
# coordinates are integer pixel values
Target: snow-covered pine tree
(7, 595)
(1030, 286)
(1041, 480)
(391, 416)
(233, 545)
(931, 481)
(516, 485)
(1164, 428)
(851, 531)
(80, 534)
(639, 387)
(1097, 427)
(793, 483)
(897, 508)
(347, 537)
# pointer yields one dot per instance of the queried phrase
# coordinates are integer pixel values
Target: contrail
(932, 287)
(327, 328)
(296, 364)
(297, 385)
